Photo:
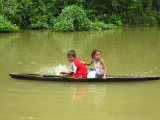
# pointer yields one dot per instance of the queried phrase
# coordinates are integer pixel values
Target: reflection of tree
(6, 47)
(47, 43)
(30, 43)
(6, 38)
(79, 41)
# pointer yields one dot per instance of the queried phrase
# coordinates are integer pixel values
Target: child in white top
(99, 64)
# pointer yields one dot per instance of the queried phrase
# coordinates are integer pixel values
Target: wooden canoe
(70, 79)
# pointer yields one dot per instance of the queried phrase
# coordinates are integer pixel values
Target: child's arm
(68, 73)
(103, 65)
(88, 64)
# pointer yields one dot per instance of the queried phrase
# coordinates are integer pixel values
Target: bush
(72, 18)
(38, 22)
(101, 26)
(64, 26)
(7, 26)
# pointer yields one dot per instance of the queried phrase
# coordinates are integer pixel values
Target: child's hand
(84, 63)
(104, 77)
(63, 72)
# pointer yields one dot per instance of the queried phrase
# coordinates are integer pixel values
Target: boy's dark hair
(94, 52)
(72, 53)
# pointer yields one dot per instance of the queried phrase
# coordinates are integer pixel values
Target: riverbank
(77, 15)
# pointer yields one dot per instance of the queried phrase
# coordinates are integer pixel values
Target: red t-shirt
(79, 69)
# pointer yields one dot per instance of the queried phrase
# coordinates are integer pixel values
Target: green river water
(127, 51)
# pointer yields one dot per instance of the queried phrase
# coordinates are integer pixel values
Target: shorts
(79, 76)
(98, 74)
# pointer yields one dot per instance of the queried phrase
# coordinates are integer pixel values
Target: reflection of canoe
(69, 79)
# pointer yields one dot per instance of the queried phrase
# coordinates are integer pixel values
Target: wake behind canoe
(70, 79)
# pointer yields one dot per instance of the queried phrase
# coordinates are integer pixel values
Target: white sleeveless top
(98, 66)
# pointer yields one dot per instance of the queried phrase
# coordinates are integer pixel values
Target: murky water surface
(127, 51)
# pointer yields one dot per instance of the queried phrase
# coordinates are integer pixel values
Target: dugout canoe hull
(70, 79)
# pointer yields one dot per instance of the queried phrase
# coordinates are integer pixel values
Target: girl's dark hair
(94, 52)
(72, 53)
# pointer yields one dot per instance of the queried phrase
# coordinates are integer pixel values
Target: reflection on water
(7, 38)
(127, 51)
(80, 41)
(114, 101)
(81, 92)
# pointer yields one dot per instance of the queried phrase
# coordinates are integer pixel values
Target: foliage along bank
(62, 15)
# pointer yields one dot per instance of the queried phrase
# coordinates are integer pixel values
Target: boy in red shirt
(78, 70)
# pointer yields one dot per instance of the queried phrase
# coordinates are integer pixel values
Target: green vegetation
(6, 25)
(72, 18)
(71, 15)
